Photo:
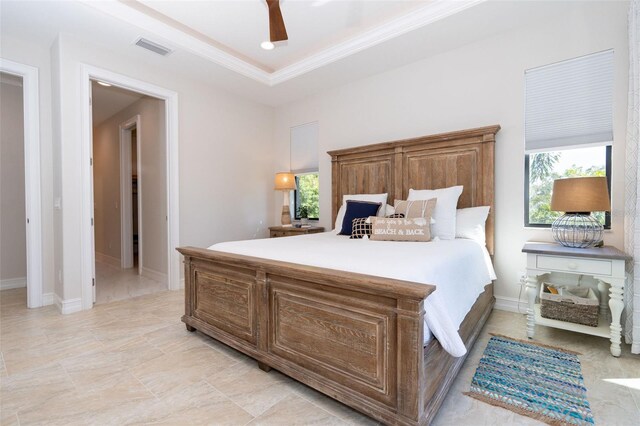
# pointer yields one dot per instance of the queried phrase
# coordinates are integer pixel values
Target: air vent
(154, 47)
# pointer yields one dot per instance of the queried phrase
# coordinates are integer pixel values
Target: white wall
(224, 147)
(106, 189)
(39, 57)
(13, 247)
(476, 85)
(152, 180)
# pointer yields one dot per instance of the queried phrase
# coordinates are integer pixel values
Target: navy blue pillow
(357, 210)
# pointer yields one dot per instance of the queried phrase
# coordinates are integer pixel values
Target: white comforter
(459, 269)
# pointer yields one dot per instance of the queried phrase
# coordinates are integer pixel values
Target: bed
(356, 337)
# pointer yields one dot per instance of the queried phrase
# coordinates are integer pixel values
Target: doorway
(25, 209)
(131, 199)
(170, 149)
(130, 193)
(13, 232)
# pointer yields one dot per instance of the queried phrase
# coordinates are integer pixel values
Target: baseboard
(109, 260)
(154, 275)
(510, 304)
(68, 306)
(11, 283)
(48, 299)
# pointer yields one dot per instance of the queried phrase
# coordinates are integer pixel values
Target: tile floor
(114, 284)
(132, 361)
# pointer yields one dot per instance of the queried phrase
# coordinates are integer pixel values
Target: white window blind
(304, 147)
(570, 103)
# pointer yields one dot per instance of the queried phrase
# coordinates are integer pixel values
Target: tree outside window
(545, 167)
(307, 195)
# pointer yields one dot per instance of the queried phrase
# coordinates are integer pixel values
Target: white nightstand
(604, 264)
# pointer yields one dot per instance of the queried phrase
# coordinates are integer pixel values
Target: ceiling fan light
(267, 45)
(102, 83)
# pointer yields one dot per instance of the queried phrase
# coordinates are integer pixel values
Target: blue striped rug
(534, 380)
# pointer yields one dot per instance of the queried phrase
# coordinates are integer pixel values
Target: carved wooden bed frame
(353, 337)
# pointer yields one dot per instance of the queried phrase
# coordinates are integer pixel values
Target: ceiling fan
(277, 30)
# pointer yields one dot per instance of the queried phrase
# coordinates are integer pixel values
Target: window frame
(295, 193)
(527, 224)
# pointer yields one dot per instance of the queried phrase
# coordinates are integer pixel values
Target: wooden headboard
(465, 157)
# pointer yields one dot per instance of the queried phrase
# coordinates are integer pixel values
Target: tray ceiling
(320, 31)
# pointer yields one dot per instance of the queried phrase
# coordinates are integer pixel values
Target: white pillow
(389, 210)
(470, 223)
(445, 211)
(375, 198)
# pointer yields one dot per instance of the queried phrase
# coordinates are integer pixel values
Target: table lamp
(578, 197)
(285, 182)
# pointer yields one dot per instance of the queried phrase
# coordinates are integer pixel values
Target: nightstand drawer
(574, 264)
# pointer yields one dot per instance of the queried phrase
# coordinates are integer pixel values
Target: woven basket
(576, 305)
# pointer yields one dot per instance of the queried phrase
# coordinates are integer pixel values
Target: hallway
(114, 284)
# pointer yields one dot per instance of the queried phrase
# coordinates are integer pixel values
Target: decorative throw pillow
(375, 198)
(387, 229)
(470, 223)
(445, 211)
(415, 208)
(395, 215)
(355, 210)
(362, 226)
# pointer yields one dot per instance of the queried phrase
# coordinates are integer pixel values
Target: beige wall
(106, 189)
(39, 56)
(225, 153)
(13, 247)
(476, 85)
(225, 159)
(151, 182)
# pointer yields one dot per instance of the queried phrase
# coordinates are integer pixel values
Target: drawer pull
(572, 265)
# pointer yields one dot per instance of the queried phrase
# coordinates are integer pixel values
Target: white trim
(109, 260)
(68, 306)
(154, 275)
(126, 208)
(33, 210)
(430, 13)
(11, 283)
(87, 261)
(139, 197)
(511, 304)
(176, 37)
(48, 299)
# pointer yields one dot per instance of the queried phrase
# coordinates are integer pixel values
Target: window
(307, 195)
(304, 164)
(542, 168)
(568, 129)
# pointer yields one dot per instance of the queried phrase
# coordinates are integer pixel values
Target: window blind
(570, 103)
(304, 147)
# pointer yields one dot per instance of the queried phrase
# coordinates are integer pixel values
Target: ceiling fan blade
(277, 30)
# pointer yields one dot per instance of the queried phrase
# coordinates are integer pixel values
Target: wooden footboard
(354, 337)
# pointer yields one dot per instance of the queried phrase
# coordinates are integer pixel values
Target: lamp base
(577, 230)
(286, 216)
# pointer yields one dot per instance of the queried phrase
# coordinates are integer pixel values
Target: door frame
(87, 73)
(126, 193)
(33, 192)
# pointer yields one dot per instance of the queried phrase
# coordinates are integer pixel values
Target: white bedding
(458, 268)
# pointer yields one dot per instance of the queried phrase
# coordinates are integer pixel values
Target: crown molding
(179, 38)
(431, 12)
